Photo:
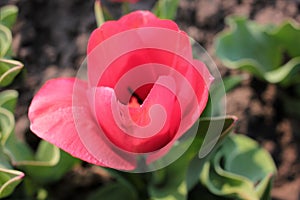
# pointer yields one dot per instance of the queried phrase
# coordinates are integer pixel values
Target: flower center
(139, 95)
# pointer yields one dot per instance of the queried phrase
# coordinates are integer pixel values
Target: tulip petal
(193, 71)
(51, 114)
(133, 20)
(138, 130)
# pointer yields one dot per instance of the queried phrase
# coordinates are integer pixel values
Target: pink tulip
(143, 92)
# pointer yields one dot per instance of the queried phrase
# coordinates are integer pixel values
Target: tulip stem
(99, 13)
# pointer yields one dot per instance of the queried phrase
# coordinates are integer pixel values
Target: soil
(50, 38)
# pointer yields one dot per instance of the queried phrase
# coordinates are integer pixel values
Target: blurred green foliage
(239, 169)
(8, 68)
(166, 9)
(271, 53)
(17, 160)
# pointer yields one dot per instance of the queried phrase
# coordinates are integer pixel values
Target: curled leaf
(8, 99)
(239, 169)
(269, 52)
(5, 40)
(8, 15)
(9, 69)
(9, 179)
(179, 177)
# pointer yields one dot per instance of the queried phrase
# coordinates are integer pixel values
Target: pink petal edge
(51, 116)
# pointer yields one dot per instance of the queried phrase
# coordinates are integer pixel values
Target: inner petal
(137, 136)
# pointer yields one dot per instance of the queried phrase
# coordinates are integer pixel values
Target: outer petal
(51, 114)
(133, 20)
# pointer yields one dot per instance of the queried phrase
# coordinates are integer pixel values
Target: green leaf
(5, 40)
(216, 128)
(247, 45)
(99, 13)
(8, 99)
(8, 15)
(171, 182)
(287, 34)
(50, 164)
(9, 179)
(7, 124)
(47, 164)
(230, 82)
(195, 165)
(9, 69)
(239, 169)
(268, 52)
(224, 184)
(166, 9)
(4, 160)
(238, 161)
(18, 151)
(46, 155)
(15, 149)
(286, 74)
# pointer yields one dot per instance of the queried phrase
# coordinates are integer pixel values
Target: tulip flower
(143, 92)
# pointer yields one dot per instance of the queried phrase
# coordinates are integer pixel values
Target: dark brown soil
(50, 38)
